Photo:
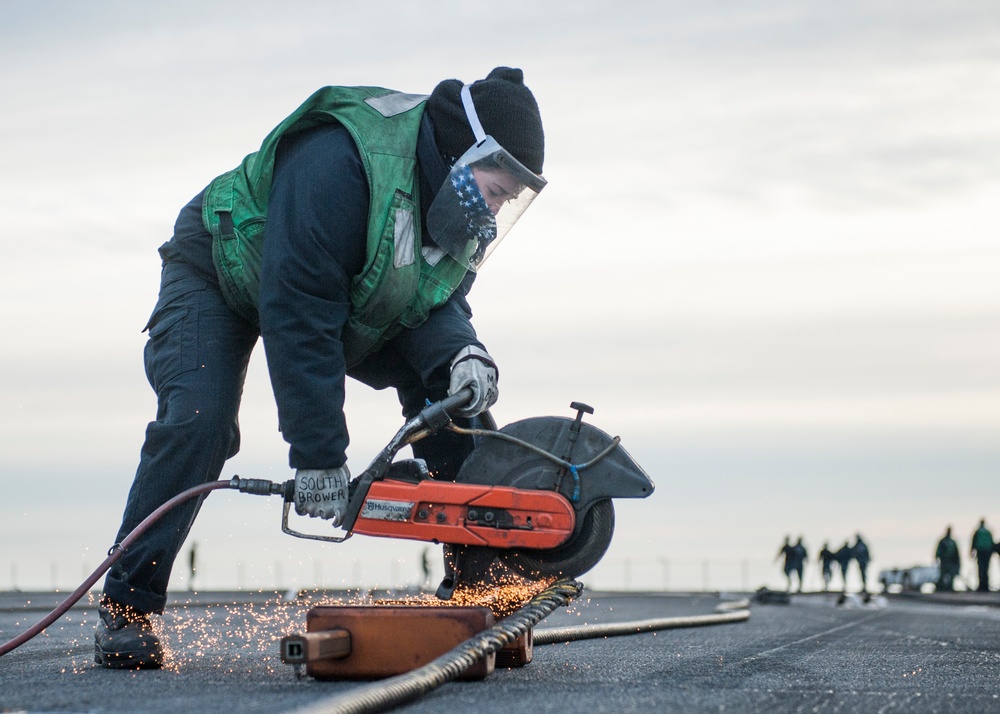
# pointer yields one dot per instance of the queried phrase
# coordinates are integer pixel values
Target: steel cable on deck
(736, 611)
(386, 694)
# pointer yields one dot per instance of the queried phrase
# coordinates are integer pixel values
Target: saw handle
(437, 415)
(456, 400)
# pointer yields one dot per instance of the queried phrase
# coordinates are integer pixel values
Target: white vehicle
(908, 579)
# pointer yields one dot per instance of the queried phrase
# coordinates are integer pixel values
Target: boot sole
(143, 659)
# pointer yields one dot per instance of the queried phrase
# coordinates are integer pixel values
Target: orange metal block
(390, 640)
(519, 652)
(314, 646)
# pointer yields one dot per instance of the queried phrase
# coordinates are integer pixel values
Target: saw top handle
(436, 415)
(456, 400)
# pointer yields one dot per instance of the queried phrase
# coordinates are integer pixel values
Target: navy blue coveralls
(198, 349)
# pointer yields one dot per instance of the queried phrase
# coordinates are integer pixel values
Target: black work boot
(125, 638)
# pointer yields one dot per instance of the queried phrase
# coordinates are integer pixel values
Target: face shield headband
(485, 193)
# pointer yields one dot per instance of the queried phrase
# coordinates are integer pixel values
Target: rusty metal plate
(391, 640)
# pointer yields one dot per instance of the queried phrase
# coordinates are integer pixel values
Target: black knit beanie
(506, 109)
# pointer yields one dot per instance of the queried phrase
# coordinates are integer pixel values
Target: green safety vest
(398, 287)
(982, 541)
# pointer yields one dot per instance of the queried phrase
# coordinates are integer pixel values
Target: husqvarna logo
(387, 510)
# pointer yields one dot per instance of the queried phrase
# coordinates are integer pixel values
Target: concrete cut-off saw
(533, 496)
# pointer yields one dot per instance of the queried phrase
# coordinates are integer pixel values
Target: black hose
(116, 552)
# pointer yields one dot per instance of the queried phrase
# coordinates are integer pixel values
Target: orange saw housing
(466, 514)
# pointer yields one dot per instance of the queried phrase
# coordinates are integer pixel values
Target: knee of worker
(208, 430)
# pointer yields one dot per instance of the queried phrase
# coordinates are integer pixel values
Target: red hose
(116, 552)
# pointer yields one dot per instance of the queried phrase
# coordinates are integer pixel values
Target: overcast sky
(767, 256)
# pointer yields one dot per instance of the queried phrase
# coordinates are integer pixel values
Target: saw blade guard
(589, 465)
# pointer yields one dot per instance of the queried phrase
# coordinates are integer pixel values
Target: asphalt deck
(912, 653)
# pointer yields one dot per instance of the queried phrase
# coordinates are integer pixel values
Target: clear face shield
(485, 193)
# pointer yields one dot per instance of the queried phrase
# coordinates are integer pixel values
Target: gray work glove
(473, 367)
(322, 493)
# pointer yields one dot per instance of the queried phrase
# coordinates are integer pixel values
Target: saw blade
(499, 462)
